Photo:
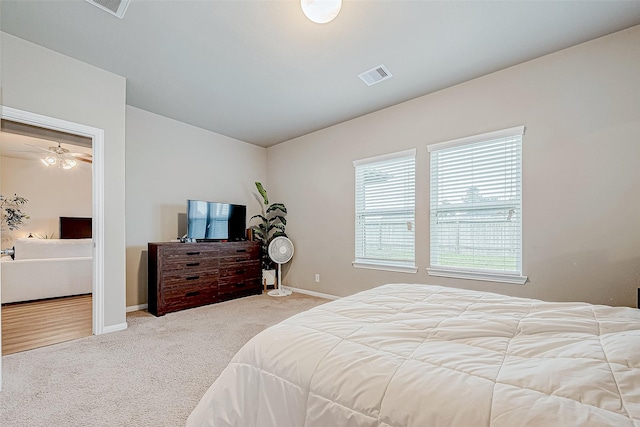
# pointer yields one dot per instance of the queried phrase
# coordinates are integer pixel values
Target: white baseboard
(137, 307)
(300, 291)
(312, 293)
(114, 328)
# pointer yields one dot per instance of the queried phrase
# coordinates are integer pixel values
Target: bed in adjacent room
(47, 268)
(419, 355)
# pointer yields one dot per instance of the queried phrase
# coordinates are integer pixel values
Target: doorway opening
(46, 197)
(79, 137)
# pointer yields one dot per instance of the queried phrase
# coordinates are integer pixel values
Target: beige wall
(169, 162)
(581, 171)
(41, 81)
(52, 192)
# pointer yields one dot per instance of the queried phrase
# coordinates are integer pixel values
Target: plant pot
(269, 277)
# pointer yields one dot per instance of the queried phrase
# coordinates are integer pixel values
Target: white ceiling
(259, 71)
(30, 148)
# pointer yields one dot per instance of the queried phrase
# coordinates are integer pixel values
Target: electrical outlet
(317, 278)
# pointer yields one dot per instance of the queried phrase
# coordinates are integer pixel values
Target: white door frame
(97, 135)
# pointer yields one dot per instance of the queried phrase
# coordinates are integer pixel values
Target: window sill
(476, 275)
(385, 267)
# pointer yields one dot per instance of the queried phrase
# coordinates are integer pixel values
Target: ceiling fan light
(69, 163)
(321, 11)
(48, 161)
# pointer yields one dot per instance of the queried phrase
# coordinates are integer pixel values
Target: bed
(420, 355)
(47, 268)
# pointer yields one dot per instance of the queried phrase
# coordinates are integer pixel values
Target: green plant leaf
(11, 214)
(277, 227)
(262, 192)
(277, 206)
(278, 218)
(262, 218)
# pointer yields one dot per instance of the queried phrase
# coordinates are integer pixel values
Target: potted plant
(271, 224)
(11, 211)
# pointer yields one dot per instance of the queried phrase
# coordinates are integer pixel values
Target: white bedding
(418, 355)
(47, 268)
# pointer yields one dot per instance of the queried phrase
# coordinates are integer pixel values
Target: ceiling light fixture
(68, 164)
(60, 157)
(48, 161)
(321, 11)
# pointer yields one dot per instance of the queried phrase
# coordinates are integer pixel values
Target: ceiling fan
(61, 157)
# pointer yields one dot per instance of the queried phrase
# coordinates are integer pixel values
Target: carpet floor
(151, 374)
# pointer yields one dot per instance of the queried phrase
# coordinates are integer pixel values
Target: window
(476, 208)
(385, 212)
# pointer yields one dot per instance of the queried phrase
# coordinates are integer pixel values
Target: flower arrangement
(11, 212)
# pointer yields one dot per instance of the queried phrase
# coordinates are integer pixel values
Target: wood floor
(30, 325)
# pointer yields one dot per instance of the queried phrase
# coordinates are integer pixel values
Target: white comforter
(421, 356)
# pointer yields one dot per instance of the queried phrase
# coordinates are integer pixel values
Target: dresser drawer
(175, 259)
(191, 264)
(240, 269)
(180, 298)
(250, 285)
(238, 253)
(189, 278)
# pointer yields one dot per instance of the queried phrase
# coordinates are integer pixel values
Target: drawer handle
(241, 250)
(192, 278)
(193, 253)
(193, 264)
(192, 294)
(240, 285)
(241, 259)
(242, 271)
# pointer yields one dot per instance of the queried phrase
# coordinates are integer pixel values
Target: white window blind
(385, 211)
(476, 208)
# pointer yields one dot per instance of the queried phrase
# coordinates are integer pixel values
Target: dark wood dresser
(186, 275)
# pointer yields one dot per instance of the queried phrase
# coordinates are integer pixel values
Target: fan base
(279, 293)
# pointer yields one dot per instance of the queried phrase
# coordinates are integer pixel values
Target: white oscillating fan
(280, 251)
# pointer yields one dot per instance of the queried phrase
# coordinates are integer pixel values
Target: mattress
(47, 268)
(418, 355)
(31, 248)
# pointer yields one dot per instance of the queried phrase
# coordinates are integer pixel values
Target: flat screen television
(75, 227)
(214, 222)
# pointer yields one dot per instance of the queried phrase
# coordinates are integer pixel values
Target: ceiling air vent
(375, 75)
(114, 7)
